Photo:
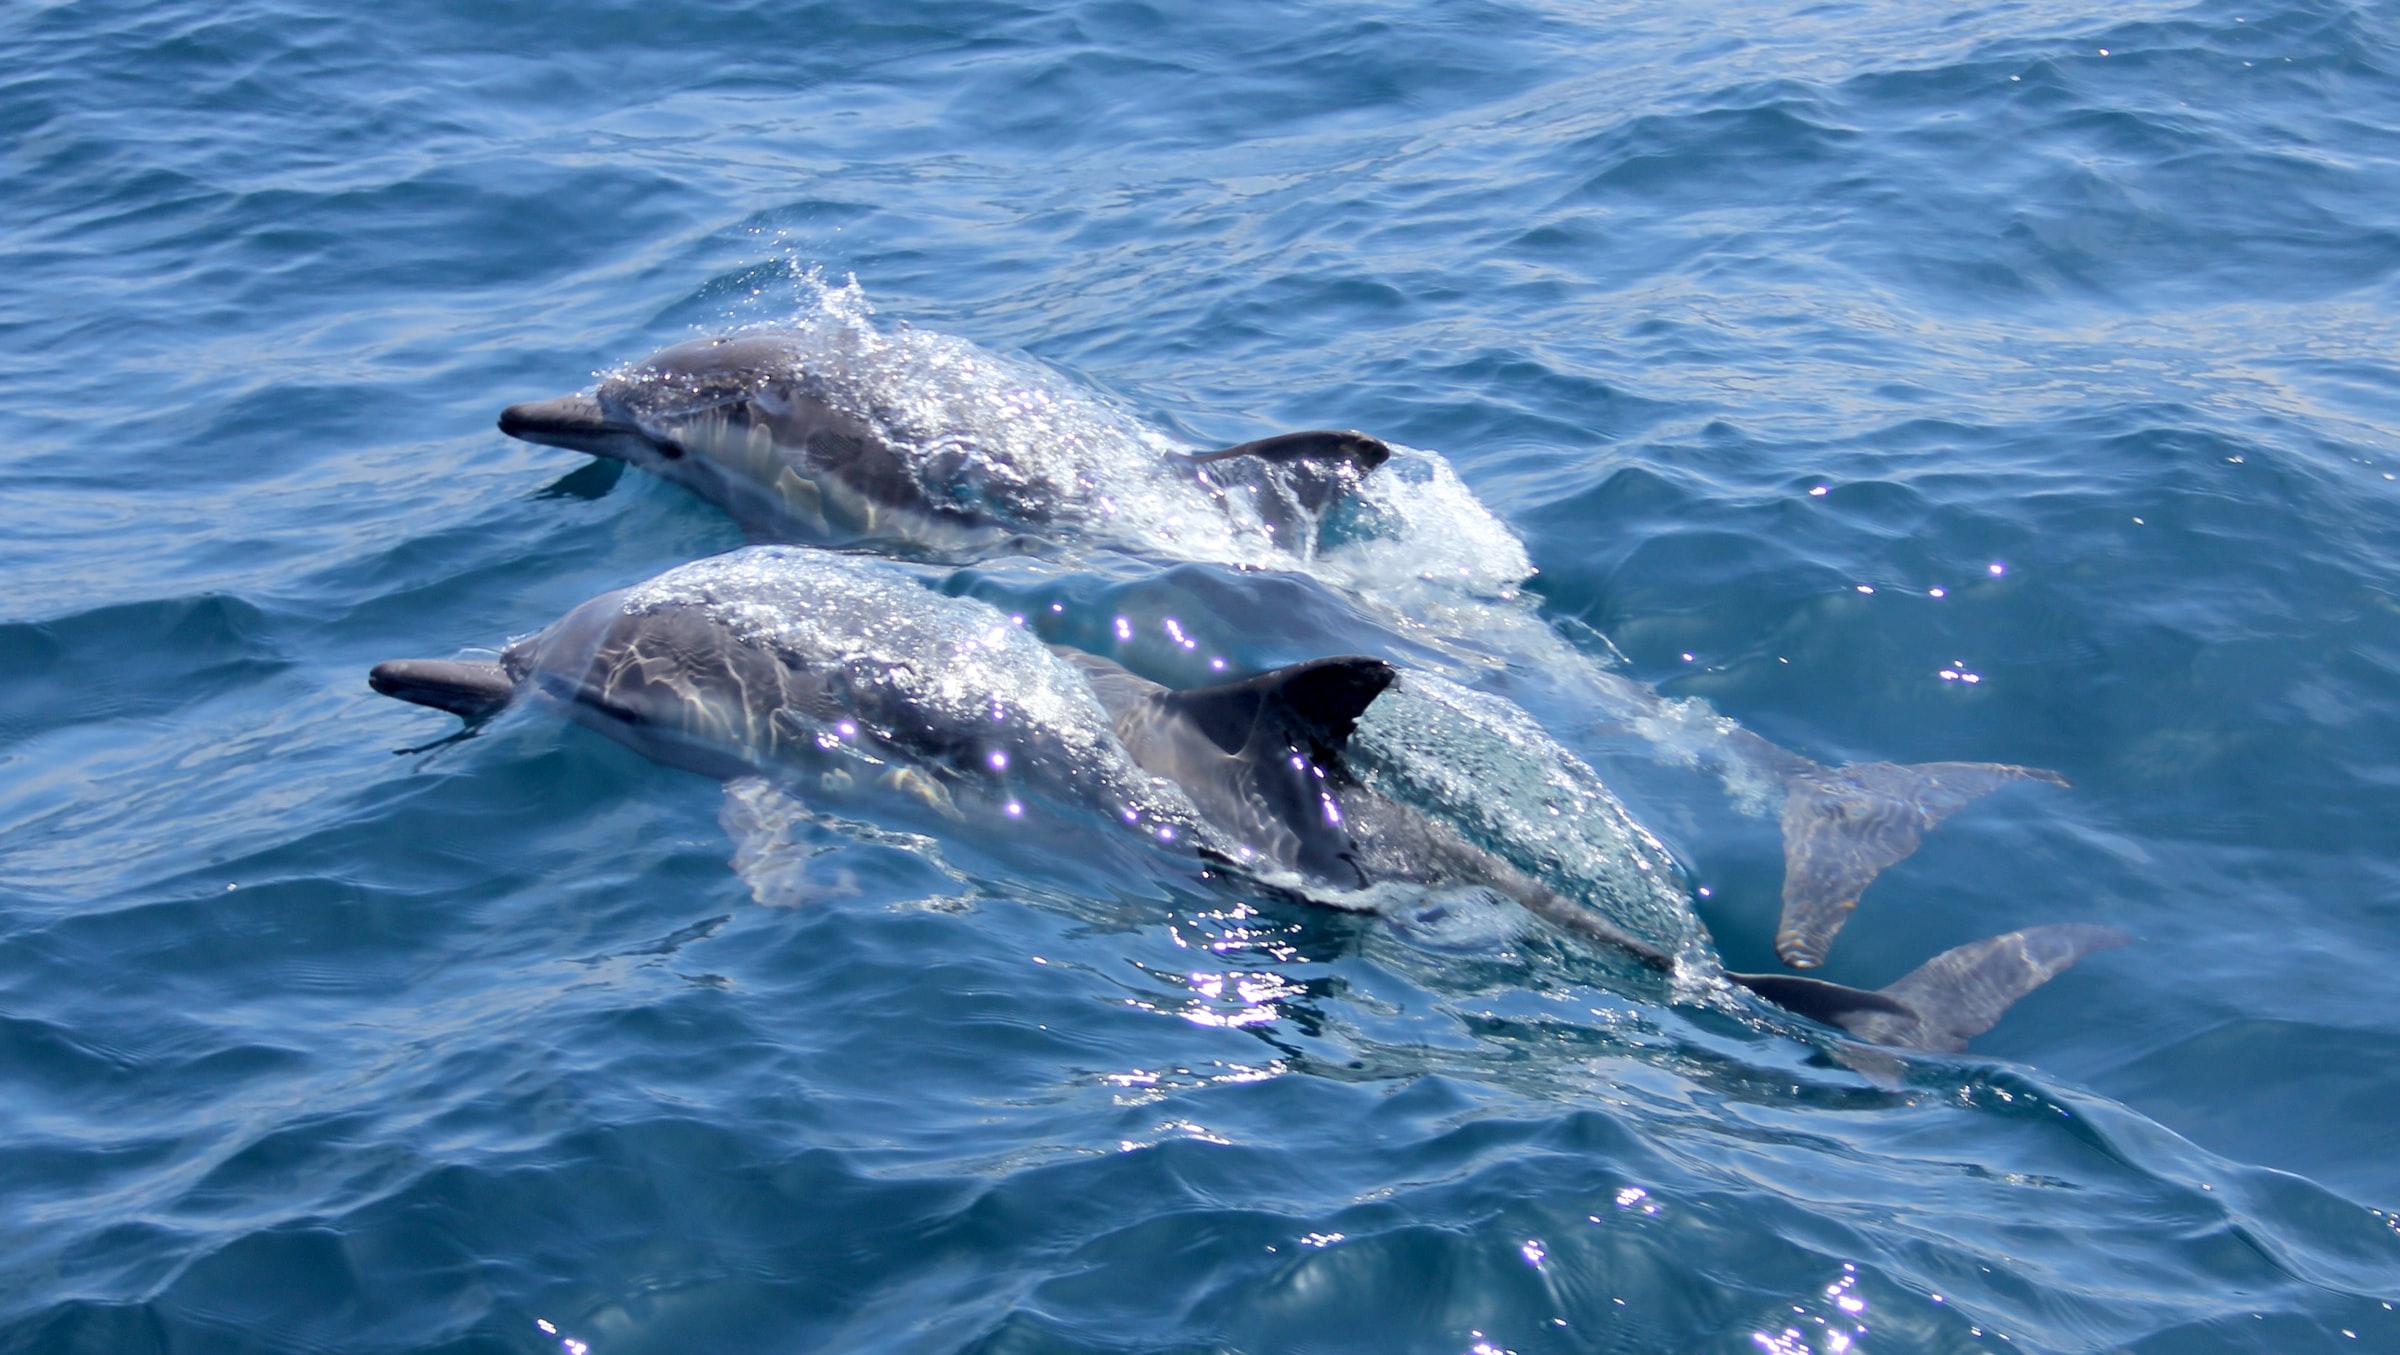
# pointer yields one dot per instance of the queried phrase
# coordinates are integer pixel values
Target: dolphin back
(1314, 467)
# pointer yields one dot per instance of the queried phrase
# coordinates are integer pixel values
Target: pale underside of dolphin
(958, 454)
(828, 671)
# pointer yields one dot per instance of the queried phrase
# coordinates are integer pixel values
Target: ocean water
(1755, 325)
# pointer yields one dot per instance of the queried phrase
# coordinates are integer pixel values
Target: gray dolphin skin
(935, 447)
(820, 669)
(812, 452)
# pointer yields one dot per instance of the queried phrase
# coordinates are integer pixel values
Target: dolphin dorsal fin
(1315, 704)
(1316, 467)
(1351, 448)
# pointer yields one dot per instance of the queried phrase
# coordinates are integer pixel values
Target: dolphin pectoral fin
(916, 784)
(1843, 825)
(792, 854)
(1333, 462)
(591, 480)
(469, 690)
(1948, 1000)
(774, 840)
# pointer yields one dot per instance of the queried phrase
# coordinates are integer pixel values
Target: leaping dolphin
(789, 663)
(934, 446)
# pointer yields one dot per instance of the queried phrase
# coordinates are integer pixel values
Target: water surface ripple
(2082, 315)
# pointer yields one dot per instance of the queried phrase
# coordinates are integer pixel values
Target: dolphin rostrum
(787, 663)
(838, 435)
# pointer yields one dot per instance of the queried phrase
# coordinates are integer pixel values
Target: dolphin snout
(465, 688)
(575, 422)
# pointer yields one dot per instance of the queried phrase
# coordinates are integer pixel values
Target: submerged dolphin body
(839, 435)
(836, 453)
(790, 663)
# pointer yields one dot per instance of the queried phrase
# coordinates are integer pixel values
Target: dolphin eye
(670, 449)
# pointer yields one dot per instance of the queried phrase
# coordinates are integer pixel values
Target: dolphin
(835, 453)
(927, 444)
(787, 663)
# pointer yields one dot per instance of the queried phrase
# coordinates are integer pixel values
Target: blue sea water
(1759, 324)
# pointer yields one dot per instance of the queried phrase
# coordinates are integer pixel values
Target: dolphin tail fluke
(462, 687)
(1843, 825)
(1948, 1000)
